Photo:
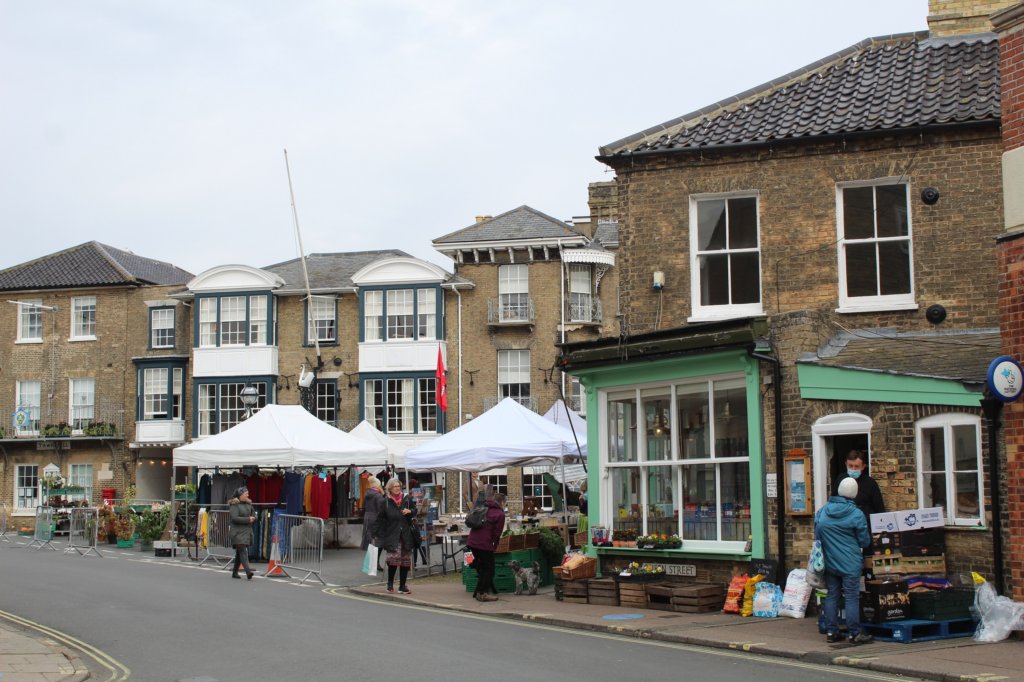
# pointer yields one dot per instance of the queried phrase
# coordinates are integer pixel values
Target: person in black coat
(373, 502)
(869, 496)
(393, 532)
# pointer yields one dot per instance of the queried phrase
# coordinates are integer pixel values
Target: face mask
(853, 473)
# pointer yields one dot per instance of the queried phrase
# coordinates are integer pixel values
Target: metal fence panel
(43, 534)
(3, 522)
(298, 546)
(82, 531)
(215, 538)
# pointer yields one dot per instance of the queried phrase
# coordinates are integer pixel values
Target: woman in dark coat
(373, 502)
(241, 522)
(483, 541)
(393, 533)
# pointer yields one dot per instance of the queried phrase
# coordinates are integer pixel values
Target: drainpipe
(458, 294)
(993, 409)
(780, 516)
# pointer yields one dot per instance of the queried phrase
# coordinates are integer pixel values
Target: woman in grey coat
(242, 519)
(373, 502)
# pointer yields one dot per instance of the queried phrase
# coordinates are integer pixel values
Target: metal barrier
(82, 531)
(42, 536)
(3, 522)
(217, 538)
(298, 545)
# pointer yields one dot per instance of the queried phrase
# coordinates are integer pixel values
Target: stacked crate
(696, 598)
(603, 592)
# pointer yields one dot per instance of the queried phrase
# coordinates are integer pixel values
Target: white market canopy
(560, 414)
(508, 434)
(371, 434)
(281, 436)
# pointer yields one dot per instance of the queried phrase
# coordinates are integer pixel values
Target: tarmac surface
(30, 652)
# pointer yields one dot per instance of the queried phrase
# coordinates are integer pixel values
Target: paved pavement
(30, 653)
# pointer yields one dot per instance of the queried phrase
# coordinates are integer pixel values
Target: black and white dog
(528, 578)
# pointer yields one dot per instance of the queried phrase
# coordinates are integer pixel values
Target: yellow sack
(978, 578)
(748, 595)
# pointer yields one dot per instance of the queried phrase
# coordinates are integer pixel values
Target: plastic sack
(797, 594)
(815, 573)
(998, 615)
(734, 597)
(767, 600)
(748, 595)
(370, 560)
(467, 557)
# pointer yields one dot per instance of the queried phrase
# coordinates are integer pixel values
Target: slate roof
(880, 84)
(960, 356)
(607, 234)
(327, 271)
(523, 223)
(90, 265)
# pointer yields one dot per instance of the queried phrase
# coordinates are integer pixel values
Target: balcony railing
(105, 419)
(510, 313)
(586, 312)
(529, 403)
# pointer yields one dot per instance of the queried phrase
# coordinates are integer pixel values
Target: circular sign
(1005, 379)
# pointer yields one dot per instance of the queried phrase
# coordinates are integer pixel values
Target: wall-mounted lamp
(471, 373)
(659, 280)
(287, 382)
(548, 371)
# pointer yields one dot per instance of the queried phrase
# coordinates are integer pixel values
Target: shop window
(26, 486)
(949, 467)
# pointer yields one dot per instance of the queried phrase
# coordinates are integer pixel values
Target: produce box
(885, 543)
(903, 565)
(602, 591)
(633, 594)
(696, 598)
(884, 601)
(923, 542)
(951, 604)
(573, 591)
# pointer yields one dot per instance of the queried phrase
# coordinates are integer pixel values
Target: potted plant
(99, 429)
(124, 529)
(552, 546)
(105, 530)
(185, 491)
(636, 572)
(58, 430)
(151, 526)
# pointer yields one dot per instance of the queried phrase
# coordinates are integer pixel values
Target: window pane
(622, 436)
(894, 264)
(373, 391)
(327, 402)
(714, 280)
(373, 311)
(207, 408)
(176, 385)
(734, 483)
(746, 278)
(967, 496)
(161, 322)
(692, 403)
(322, 319)
(258, 320)
(661, 510)
(656, 416)
(28, 399)
(155, 393)
(861, 270)
(83, 401)
(711, 225)
(965, 447)
(426, 313)
(535, 486)
(892, 210)
(625, 488)
(400, 405)
(743, 223)
(700, 520)
(427, 405)
(30, 320)
(400, 308)
(83, 316)
(27, 486)
(513, 279)
(933, 449)
(730, 422)
(934, 492)
(232, 321)
(207, 322)
(858, 213)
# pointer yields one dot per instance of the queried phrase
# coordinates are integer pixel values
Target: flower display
(659, 541)
(637, 568)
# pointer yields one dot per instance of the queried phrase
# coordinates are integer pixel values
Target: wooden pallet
(906, 631)
(633, 594)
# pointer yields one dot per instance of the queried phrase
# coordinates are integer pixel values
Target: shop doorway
(833, 437)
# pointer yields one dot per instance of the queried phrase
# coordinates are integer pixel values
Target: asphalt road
(168, 621)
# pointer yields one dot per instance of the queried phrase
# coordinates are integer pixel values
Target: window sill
(171, 347)
(23, 513)
(731, 314)
(683, 553)
(28, 341)
(310, 344)
(74, 339)
(875, 307)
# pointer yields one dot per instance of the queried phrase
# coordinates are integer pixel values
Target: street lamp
(248, 396)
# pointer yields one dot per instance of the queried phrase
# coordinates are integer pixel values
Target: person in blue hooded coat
(843, 531)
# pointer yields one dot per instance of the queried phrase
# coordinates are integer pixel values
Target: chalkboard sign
(766, 567)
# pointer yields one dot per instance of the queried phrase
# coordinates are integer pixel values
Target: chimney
(482, 218)
(960, 17)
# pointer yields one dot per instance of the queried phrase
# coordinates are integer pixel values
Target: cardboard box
(923, 542)
(907, 519)
(884, 601)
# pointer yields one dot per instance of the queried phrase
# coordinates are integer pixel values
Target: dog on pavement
(528, 578)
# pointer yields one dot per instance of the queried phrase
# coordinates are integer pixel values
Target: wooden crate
(905, 565)
(575, 588)
(602, 591)
(633, 594)
(696, 598)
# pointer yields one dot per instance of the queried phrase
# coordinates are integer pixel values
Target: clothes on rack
(321, 488)
(203, 491)
(294, 484)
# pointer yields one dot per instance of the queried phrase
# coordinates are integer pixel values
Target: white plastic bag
(797, 594)
(370, 560)
(998, 615)
(767, 600)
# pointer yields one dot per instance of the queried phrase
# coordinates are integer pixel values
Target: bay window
(236, 320)
(161, 392)
(401, 404)
(400, 314)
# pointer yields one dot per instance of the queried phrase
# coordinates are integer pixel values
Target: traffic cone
(273, 568)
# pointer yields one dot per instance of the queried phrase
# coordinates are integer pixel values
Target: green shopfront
(676, 449)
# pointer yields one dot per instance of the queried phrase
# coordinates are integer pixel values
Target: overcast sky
(158, 127)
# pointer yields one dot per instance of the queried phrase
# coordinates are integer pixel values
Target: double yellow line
(118, 671)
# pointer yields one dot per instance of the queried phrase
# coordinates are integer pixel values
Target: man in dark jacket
(843, 533)
(869, 496)
(483, 541)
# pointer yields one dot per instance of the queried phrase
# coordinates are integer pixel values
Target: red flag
(442, 383)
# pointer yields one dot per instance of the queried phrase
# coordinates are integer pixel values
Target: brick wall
(1011, 72)
(958, 17)
(1011, 302)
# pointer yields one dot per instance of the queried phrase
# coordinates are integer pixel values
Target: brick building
(538, 281)
(806, 268)
(79, 330)
(1010, 26)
